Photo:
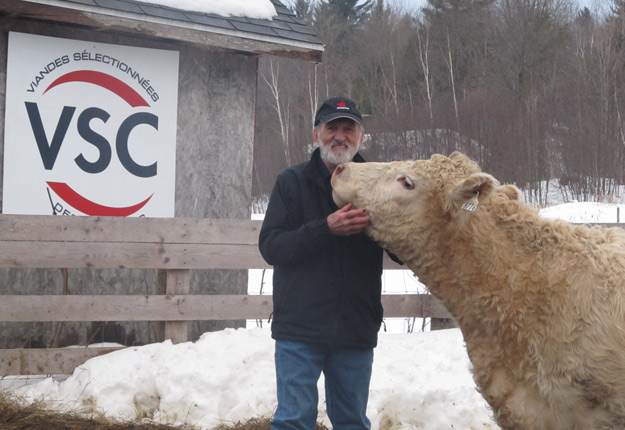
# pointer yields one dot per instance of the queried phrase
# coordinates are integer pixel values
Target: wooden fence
(174, 245)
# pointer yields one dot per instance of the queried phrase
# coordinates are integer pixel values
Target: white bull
(541, 303)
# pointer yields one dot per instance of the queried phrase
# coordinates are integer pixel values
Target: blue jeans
(347, 375)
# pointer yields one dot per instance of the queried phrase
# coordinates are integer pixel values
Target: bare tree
(424, 60)
(450, 66)
(533, 89)
(281, 106)
(313, 91)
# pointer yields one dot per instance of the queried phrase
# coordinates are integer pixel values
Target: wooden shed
(216, 99)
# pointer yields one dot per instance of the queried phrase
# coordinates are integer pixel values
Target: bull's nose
(339, 169)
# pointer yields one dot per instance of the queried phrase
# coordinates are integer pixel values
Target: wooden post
(178, 282)
(161, 288)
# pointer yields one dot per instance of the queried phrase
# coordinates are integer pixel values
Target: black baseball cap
(338, 107)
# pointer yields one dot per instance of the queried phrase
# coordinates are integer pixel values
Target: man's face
(339, 140)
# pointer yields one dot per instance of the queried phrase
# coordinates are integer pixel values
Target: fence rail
(175, 245)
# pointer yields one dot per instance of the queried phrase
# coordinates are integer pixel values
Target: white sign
(90, 128)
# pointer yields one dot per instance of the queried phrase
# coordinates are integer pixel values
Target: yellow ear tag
(471, 205)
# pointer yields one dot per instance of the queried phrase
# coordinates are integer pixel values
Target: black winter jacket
(326, 288)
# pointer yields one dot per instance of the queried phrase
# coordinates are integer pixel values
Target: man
(326, 284)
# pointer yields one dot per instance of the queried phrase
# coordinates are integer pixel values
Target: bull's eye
(406, 182)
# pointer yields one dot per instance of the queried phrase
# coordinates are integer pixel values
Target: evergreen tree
(304, 10)
(346, 11)
(618, 8)
(462, 30)
(445, 7)
(584, 16)
(618, 18)
(378, 8)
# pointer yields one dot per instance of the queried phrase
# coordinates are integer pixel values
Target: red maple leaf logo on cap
(341, 104)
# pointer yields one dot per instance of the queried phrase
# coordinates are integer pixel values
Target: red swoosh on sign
(88, 207)
(105, 81)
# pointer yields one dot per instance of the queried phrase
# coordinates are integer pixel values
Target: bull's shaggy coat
(541, 303)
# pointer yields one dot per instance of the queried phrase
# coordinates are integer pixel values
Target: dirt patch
(14, 416)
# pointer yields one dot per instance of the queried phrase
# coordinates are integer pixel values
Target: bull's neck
(454, 263)
(474, 271)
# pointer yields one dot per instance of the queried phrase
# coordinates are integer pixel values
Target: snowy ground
(421, 380)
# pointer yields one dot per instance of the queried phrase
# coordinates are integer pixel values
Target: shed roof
(284, 35)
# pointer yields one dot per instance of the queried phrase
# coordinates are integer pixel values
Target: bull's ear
(470, 192)
(510, 191)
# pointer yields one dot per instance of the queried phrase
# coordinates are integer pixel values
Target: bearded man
(327, 308)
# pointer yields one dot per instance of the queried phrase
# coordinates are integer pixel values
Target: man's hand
(347, 221)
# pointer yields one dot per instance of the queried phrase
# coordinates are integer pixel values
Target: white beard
(336, 157)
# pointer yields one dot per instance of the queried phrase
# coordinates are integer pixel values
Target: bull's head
(406, 198)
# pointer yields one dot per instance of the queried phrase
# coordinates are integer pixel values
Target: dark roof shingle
(283, 26)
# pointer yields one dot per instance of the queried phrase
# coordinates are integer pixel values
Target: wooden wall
(216, 98)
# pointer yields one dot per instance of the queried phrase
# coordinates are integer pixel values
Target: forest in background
(533, 90)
